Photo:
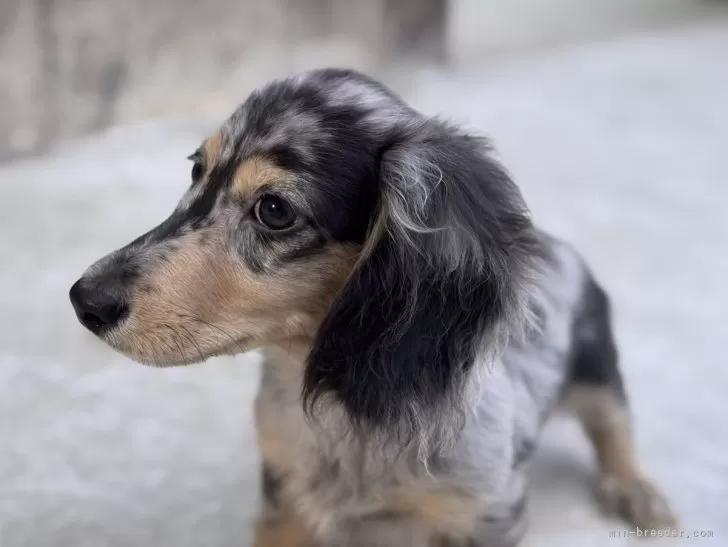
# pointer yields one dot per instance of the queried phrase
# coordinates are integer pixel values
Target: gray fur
(509, 402)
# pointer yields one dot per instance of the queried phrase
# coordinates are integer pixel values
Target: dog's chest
(332, 480)
(320, 466)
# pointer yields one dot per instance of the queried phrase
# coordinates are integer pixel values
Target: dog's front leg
(278, 525)
(281, 531)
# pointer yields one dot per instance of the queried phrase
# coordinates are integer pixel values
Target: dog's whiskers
(175, 337)
(186, 314)
(188, 335)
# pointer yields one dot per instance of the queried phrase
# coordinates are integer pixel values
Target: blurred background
(612, 115)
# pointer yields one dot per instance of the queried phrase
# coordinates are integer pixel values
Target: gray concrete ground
(621, 147)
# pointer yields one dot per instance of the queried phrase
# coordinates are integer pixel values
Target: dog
(417, 328)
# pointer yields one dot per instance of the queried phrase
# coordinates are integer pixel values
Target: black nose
(96, 308)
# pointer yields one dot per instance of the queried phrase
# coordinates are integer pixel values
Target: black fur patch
(406, 328)
(271, 486)
(333, 154)
(523, 451)
(285, 157)
(594, 357)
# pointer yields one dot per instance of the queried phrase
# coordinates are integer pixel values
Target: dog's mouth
(163, 341)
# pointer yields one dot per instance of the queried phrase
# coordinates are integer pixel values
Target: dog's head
(327, 210)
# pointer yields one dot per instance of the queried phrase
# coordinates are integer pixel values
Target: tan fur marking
(254, 173)
(274, 450)
(623, 488)
(203, 302)
(284, 530)
(607, 424)
(446, 511)
(213, 150)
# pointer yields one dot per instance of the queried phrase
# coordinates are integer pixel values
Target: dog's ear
(440, 279)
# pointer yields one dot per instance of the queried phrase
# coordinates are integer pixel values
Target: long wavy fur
(442, 281)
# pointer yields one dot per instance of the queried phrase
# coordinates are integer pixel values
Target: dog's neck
(293, 351)
(286, 362)
(285, 365)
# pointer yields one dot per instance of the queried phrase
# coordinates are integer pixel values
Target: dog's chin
(143, 352)
(163, 361)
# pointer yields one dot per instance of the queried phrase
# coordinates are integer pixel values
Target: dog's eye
(274, 212)
(197, 171)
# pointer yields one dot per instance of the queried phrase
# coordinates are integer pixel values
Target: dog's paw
(636, 500)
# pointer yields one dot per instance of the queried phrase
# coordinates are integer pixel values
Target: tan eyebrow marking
(254, 173)
(212, 149)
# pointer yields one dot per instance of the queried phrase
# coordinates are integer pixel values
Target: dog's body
(417, 328)
(471, 490)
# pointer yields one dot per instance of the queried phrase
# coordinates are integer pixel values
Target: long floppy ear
(441, 278)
